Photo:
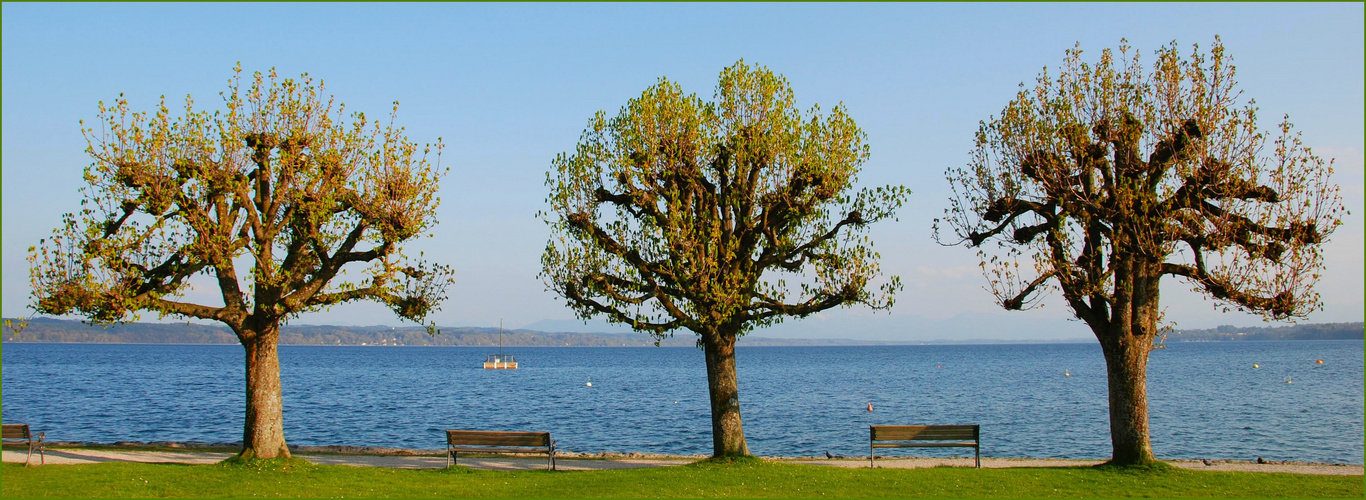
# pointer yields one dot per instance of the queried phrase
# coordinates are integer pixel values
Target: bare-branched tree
(1106, 178)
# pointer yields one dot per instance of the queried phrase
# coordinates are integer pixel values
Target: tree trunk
(1126, 364)
(1126, 343)
(728, 438)
(263, 435)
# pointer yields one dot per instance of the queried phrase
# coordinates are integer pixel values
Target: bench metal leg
(870, 454)
(978, 449)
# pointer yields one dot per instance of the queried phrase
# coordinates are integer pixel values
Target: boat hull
(500, 366)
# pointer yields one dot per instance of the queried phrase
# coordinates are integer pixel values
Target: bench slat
(498, 438)
(476, 449)
(922, 432)
(937, 444)
(16, 431)
(499, 441)
(492, 433)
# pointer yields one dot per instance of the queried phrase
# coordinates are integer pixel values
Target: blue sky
(508, 86)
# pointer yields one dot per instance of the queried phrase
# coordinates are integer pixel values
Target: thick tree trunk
(728, 438)
(1126, 343)
(263, 435)
(1126, 364)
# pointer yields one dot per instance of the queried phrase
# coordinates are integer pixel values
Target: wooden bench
(925, 436)
(498, 442)
(19, 434)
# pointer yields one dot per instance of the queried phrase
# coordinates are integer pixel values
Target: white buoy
(590, 382)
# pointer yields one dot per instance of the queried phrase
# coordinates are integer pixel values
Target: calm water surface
(1206, 399)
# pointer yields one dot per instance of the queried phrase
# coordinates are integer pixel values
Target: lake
(1033, 400)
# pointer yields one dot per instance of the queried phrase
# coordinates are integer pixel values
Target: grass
(735, 478)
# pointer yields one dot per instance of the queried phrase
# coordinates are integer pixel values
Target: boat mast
(500, 338)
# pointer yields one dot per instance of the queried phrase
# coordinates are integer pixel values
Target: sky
(509, 86)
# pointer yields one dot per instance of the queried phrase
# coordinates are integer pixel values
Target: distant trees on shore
(57, 330)
(1320, 331)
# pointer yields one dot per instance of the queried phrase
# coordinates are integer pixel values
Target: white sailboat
(500, 361)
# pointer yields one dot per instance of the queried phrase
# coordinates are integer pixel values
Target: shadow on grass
(1149, 468)
(292, 464)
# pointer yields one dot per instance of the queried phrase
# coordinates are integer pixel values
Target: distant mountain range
(59, 330)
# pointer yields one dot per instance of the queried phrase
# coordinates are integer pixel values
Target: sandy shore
(569, 461)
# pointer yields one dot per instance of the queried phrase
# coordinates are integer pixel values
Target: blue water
(1206, 399)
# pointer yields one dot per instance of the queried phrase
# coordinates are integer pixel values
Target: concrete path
(1005, 463)
(84, 456)
(81, 456)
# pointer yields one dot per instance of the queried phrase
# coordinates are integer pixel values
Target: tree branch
(1008, 209)
(1281, 305)
(1016, 303)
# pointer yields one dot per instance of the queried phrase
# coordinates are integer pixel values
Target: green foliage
(280, 180)
(685, 213)
(745, 478)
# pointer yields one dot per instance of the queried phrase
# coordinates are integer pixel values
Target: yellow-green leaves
(281, 181)
(680, 212)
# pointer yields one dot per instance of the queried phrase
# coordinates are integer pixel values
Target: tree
(273, 198)
(1109, 179)
(680, 213)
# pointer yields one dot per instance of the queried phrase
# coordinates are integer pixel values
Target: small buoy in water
(1255, 365)
(938, 366)
(675, 402)
(870, 406)
(1067, 373)
(1319, 362)
(590, 382)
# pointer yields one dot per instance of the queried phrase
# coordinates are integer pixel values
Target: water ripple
(1206, 399)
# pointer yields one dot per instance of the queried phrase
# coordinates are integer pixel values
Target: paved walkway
(82, 456)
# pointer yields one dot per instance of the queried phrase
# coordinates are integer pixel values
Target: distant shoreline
(775, 342)
(49, 330)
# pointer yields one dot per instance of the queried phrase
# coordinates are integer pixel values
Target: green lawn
(745, 478)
